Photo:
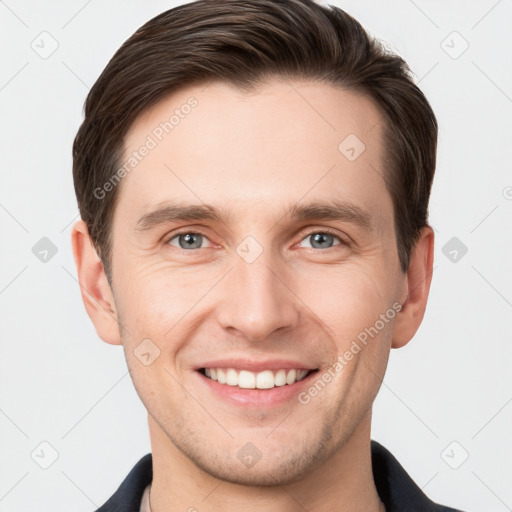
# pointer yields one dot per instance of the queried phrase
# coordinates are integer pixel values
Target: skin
(257, 154)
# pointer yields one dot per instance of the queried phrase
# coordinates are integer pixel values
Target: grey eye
(188, 240)
(321, 240)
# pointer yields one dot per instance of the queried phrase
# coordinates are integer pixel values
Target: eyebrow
(331, 210)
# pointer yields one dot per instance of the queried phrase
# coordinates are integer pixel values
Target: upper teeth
(262, 380)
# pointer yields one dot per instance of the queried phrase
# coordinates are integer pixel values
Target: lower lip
(257, 397)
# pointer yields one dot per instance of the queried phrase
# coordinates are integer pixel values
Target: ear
(94, 286)
(416, 288)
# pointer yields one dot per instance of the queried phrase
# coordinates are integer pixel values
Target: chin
(262, 474)
(272, 466)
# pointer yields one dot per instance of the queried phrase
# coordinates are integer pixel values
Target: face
(277, 279)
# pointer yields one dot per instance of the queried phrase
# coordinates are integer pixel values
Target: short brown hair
(243, 43)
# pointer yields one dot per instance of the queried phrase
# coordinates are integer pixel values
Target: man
(253, 181)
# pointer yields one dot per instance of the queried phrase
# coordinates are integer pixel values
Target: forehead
(283, 142)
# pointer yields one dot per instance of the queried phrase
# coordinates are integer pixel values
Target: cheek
(346, 300)
(155, 296)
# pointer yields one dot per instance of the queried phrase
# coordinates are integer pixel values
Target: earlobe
(417, 284)
(94, 286)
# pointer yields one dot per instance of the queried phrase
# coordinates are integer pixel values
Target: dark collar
(396, 489)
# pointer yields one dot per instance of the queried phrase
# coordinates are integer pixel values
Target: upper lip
(256, 366)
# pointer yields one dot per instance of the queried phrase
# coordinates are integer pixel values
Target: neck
(344, 482)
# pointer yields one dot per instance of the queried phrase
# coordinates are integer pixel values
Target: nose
(258, 300)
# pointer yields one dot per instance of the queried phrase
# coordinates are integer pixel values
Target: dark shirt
(396, 489)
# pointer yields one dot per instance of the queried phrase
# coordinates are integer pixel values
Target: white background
(61, 384)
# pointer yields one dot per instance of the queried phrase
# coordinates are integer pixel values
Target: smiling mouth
(266, 379)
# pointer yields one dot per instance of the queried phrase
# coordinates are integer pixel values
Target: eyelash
(193, 232)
